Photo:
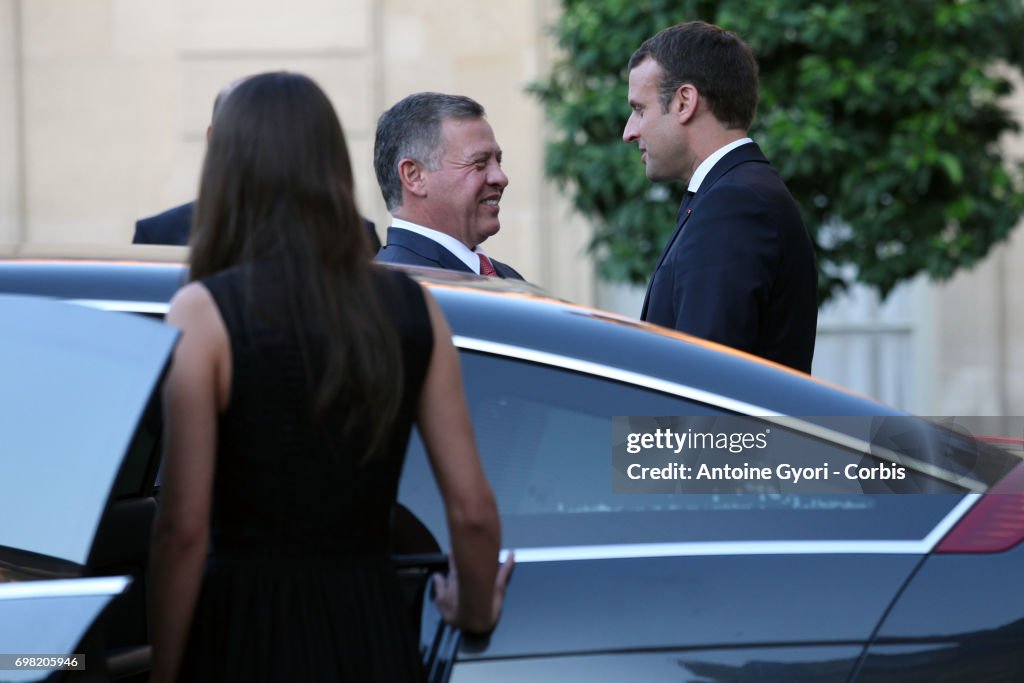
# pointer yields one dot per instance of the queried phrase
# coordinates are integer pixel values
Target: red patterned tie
(486, 267)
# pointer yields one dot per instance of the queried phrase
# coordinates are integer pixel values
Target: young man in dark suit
(739, 268)
(439, 169)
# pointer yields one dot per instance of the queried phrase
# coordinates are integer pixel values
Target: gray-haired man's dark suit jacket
(411, 248)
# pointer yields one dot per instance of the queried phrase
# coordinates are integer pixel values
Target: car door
(76, 468)
(608, 583)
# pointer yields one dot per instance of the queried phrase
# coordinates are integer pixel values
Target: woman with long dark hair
(300, 370)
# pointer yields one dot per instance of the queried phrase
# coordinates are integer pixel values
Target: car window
(544, 436)
(136, 475)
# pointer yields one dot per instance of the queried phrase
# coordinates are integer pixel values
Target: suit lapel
(749, 152)
(436, 255)
(681, 218)
(505, 271)
(427, 249)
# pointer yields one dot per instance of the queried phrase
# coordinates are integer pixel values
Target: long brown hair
(277, 184)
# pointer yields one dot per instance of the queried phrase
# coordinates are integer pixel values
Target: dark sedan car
(751, 581)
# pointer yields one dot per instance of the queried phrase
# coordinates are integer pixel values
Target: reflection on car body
(610, 586)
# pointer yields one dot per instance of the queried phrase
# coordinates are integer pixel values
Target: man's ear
(413, 179)
(685, 102)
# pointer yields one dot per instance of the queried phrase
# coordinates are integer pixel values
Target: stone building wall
(104, 105)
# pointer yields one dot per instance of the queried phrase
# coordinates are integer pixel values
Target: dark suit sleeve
(160, 229)
(170, 227)
(723, 265)
(371, 233)
(141, 234)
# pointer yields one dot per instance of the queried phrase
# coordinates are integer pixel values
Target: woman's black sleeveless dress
(299, 586)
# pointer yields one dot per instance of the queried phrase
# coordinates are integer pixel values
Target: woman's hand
(446, 596)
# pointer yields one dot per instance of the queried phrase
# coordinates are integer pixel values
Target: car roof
(509, 317)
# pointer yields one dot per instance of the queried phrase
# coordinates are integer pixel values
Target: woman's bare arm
(471, 597)
(194, 391)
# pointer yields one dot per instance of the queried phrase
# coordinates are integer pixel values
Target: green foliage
(884, 118)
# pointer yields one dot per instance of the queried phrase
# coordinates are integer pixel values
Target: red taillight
(995, 523)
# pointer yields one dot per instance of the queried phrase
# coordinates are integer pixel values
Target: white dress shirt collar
(464, 253)
(709, 163)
